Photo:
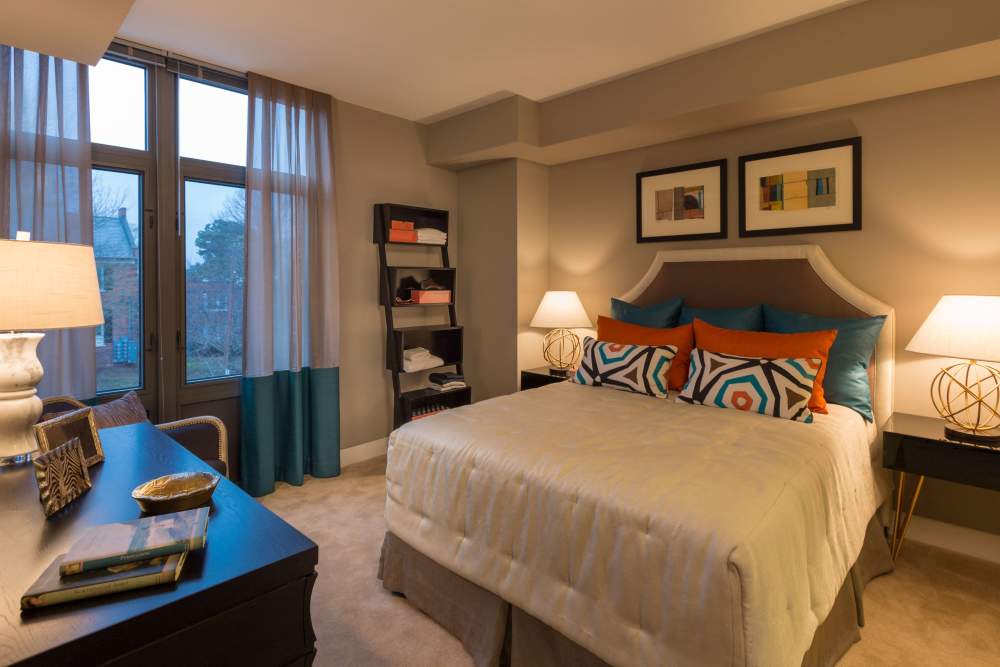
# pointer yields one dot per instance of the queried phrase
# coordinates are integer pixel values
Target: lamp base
(561, 349)
(990, 438)
(20, 373)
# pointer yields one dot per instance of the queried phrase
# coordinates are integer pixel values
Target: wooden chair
(205, 437)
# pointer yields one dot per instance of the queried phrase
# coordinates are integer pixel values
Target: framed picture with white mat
(815, 188)
(684, 203)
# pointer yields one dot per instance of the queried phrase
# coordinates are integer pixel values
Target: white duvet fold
(647, 531)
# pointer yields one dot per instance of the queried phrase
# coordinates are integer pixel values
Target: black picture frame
(853, 225)
(721, 165)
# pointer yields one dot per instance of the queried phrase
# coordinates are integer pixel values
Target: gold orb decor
(561, 348)
(561, 311)
(967, 396)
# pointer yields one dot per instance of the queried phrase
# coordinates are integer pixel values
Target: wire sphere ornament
(561, 348)
(967, 395)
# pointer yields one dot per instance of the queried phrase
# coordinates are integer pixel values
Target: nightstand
(917, 446)
(539, 377)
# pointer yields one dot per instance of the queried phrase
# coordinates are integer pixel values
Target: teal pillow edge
(748, 318)
(660, 315)
(846, 382)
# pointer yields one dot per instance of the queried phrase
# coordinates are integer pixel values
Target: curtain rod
(176, 62)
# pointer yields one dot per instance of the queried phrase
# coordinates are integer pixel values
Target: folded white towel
(422, 363)
(431, 235)
(416, 353)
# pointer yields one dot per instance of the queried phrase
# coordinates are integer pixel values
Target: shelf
(422, 218)
(412, 402)
(443, 276)
(428, 327)
(425, 393)
(442, 340)
(423, 245)
(432, 368)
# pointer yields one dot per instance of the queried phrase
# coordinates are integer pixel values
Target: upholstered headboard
(793, 277)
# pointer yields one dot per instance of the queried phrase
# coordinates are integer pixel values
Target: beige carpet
(938, 608)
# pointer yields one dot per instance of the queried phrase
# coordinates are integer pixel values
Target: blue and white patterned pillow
(775, 387)
(642, 369)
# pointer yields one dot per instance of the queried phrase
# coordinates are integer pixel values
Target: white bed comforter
(649, 532)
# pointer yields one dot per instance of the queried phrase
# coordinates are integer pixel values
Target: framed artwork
(685, 203)
(62, 476)
(815, 188)
(76, 424)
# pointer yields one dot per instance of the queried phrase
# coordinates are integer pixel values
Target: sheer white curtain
(45, 186)
(291, 387)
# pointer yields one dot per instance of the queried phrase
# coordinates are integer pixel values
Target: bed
(582, 525)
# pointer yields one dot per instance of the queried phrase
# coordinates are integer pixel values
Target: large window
(213, 261)
(169, 153)
(118, 105)
(212, 123)
(118, 253)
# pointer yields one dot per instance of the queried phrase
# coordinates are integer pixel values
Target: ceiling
(68, 29)
(427, 59)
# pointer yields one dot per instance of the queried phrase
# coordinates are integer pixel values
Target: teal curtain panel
(291, 385)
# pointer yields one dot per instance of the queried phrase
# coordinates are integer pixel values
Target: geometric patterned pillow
(775, 387)
(643, 369)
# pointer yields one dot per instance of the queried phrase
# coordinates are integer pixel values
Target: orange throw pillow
(616, 331)
(771, 346)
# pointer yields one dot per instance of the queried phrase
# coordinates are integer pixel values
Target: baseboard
(976, 543)
(367, 451)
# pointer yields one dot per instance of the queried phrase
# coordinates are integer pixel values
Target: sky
(212, 126)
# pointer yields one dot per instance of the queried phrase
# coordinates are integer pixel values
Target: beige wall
(931, 224)
(487, 281)
(532, 258)
(378, 158)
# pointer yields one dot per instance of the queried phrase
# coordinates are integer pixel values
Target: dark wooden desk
(243, 600)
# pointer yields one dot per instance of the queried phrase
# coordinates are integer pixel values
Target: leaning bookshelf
(399, 224)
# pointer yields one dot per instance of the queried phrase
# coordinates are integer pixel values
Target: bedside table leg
(909, 514)
(899, 512)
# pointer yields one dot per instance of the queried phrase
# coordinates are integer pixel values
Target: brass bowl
(175, 493)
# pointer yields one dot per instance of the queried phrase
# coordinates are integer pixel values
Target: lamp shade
(560, 310)
(962, 327)
(48, 286)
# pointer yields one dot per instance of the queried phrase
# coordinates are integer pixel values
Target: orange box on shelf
(431, 295)
(405, 225)
(402, 236)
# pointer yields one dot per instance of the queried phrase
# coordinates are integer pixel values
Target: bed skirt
(496, 633)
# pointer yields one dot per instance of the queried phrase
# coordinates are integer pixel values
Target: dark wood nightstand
(917, 446)
(539, 377)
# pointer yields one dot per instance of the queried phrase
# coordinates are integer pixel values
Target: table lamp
(560, 311)
(966, 394)
(45, 286)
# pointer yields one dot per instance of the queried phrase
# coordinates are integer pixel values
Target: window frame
(107, 157)
(212, 173)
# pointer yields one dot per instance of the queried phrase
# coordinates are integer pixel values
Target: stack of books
(121, 557)
(446, 381)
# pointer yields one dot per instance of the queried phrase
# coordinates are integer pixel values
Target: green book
(51, 588)
(130, 541)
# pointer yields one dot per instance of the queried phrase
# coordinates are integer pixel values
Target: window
(117, 251)
(213, 261)
(118, 105)
(212, 123)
